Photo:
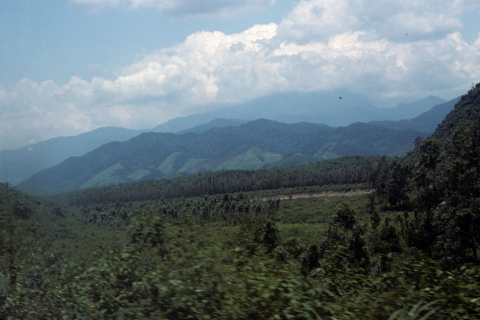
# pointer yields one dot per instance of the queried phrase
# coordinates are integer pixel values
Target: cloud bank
(396, 51)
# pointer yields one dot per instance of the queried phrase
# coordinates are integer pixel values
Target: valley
(354, 237)
(239, 160)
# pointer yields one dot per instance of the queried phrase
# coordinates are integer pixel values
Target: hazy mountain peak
(414, 109)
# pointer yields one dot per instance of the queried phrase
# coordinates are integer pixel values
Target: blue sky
(57, 39)
(70, 66)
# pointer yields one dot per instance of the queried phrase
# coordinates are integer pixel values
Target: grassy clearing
(317, 210)
(304, 218)
(167, 165)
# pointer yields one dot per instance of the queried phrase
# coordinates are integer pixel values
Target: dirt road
(318, 195)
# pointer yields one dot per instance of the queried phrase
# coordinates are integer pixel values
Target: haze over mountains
(317, 107)
(17, 165)
(334, 108)
(427, 121)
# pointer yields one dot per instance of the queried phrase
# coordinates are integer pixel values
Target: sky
(71, 66)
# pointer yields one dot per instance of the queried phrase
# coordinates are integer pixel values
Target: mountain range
(18, 165)
(427, 121)
(334, 108)
(253, 145)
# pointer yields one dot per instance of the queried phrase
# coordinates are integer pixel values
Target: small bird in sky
(340, 98)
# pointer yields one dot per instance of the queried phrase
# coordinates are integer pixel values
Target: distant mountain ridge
(406, 111)
(216, 123)
(334, 108)
(426, 122)
(17, 165)
(253, 145)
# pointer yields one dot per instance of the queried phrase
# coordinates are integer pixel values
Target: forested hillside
(20, 164)
(160, 155)
(466, 111)
(351, 170)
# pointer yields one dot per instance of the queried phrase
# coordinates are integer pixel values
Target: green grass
(167, 165)
(318, 210)
(303, 219)
(326, 152)
(253, 159)
(190, 164)
(104, 178)
(139, 174)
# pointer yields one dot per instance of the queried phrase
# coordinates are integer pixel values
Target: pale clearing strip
(349, 193)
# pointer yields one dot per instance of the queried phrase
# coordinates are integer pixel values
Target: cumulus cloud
(183, 8)
(380, 69)
(319, 19)
(207, 67)
(31, 112)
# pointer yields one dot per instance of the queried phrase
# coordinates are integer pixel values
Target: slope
(466, 111)
(216, 123)
(426, 122)
(17, 165)
(164, 154)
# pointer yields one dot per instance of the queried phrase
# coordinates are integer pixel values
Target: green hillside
(295, 159)
(466, 111)
(192, 162)
(253, 159)
(107, 177)
(167, 165)
(326, 152)
(138, 175)
(253, 145)
(20, 164)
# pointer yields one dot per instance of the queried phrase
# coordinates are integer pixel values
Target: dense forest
(360, 237)
(344, 171)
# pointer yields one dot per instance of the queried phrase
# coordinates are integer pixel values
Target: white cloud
(207, 67)
(320, 19)
(32, 113)
(183, 8)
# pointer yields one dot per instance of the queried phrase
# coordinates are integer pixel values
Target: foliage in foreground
(421, 264)
(179, 272)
